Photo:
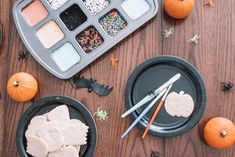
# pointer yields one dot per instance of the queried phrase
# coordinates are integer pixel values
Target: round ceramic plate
(152, 74)
(77, 111)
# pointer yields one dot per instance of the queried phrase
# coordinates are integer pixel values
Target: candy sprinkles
(68, 35)
(89, 39)
(56, 4)
(96, 6)
(113, 22)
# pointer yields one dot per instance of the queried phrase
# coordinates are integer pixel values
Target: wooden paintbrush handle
(153, 117)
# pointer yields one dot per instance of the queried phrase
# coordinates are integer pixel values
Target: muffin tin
(65, 36)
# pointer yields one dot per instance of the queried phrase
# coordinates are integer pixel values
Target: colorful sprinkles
(56, 4)
(96, 6)
(113, 22)
(89, 39)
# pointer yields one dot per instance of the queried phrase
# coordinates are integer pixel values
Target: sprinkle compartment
(48, 51)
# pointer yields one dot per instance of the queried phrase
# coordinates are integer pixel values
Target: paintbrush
(156, 111)
(144, 113)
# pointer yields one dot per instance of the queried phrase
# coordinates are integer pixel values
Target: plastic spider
(209, 3)
(23, 56)
(194, 39)
(227, 86)
(155, 154)
(168, 32)
(113, 60)
(101, 115)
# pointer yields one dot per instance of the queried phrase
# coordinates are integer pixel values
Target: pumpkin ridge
(17, 91)
(26, 93)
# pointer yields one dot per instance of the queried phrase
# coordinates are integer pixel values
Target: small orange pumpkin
(179, 9)
(22, 87)
(219, 133)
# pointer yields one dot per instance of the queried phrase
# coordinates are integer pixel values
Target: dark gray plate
(77, 111)
(153, 73)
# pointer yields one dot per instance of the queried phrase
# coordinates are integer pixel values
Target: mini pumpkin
(219, 133)
(179, 9)
(22, 87)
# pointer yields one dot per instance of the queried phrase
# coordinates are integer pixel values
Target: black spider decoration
(92, 85)
(155, 154)
(227, 86)
(23, 56)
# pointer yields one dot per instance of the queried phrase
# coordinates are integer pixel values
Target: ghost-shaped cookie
(179, 105)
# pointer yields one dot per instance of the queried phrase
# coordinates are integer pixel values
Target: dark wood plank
(214, 57)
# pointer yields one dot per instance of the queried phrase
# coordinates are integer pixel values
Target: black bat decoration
(91, 85)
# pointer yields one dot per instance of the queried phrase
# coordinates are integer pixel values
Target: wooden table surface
(214, 57)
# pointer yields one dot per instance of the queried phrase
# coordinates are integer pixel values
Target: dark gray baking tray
(43, 55)
(153, 73)
(77, 111)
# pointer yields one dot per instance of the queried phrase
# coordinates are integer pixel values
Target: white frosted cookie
(84, 127)
(180, 105)
(35, 124)
(67, 151)
(60, 114)
(36, 146)
(52, 134)
(74, 134)
(78, 147)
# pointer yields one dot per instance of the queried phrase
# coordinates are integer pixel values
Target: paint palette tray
(65, 36)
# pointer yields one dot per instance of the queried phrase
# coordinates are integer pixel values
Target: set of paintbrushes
(159, 93)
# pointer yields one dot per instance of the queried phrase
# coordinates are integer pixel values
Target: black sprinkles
(73, 17)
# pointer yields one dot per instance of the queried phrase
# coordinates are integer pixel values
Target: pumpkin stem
(223, 133)
(16, 83)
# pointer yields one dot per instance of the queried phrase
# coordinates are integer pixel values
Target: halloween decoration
(209, 3)
(23, 56)
(178, 9)
(101, 114)
(113, 60)
(194, 39)
(180, 105)
(22, 87)
(168, 32)
(91, 85)
(227, 86)
(219, 133)
(155, 154)
(0, 34)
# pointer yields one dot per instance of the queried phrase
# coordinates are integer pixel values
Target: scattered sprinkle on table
(89, 39)
(113, 22)
(96, 6)
(56, 4)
